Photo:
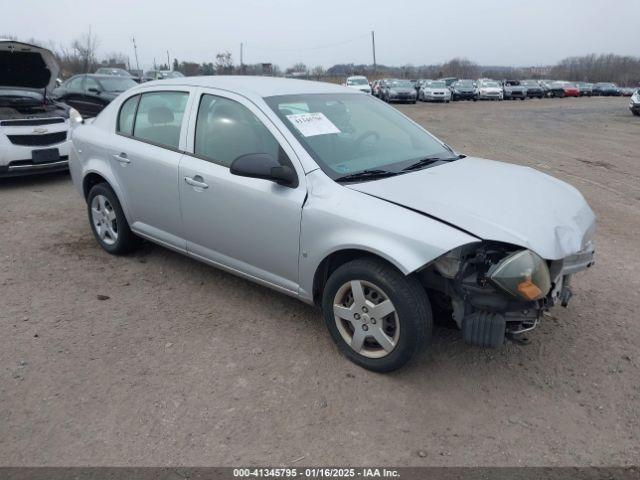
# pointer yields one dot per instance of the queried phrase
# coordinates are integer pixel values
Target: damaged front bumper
(485, 313)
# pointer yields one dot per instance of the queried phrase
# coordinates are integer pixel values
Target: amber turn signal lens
(529, 290)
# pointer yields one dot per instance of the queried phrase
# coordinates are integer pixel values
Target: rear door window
(159, 118)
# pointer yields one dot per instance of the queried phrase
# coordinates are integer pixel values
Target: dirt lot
(184, 364)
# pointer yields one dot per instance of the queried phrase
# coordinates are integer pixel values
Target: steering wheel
(360, 140)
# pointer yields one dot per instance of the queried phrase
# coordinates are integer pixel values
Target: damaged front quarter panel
(337, 219)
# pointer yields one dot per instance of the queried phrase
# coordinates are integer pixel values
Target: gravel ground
(184, 364)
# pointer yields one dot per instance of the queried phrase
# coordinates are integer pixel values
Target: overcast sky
(326, 32)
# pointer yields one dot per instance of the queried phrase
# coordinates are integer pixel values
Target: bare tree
(318, 72)
(224, 63)
(85, 48)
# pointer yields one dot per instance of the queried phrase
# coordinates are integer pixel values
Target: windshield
(348, 133)
(530, 83)
(117, 84)
(463, 83)
(357, 81)
(490, 84)
(437, 85)
(400, 84)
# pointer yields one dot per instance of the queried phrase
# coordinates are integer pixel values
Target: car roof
(254, 85)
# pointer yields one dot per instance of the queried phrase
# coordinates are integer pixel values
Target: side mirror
(264, 166)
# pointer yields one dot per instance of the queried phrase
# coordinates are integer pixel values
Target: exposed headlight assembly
(522, 274)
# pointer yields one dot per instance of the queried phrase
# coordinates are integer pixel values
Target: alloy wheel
(104, 219)
(366, 319)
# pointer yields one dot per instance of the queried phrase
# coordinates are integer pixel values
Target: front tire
(108, 223)
(378, 317)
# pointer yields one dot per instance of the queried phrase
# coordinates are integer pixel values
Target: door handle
(121, 157)
(196, 181)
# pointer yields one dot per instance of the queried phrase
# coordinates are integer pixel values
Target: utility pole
(241, 55)
(168, 62)
(135, 49)
(373, 46)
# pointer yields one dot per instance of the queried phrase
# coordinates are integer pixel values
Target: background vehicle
(89, 94)
(235, 149)
(534, 89)
(118, 72)
(627, 91)
(358, 83)
(449, 80)
(606, 89)
(396, 90)
(570, 89)
(513, 90)
(33, 127)
(435, 91)
(634, 103)
(585, 89)
(150, 75)
(489, 90)
(463, 90)
(555, 89)
(375, 88)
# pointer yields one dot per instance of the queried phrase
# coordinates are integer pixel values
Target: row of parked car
(448, 89)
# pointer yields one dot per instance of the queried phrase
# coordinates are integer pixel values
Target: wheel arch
(95, 174)
(332, 261)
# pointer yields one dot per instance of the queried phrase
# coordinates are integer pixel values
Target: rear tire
(404, 324)
(108, 222)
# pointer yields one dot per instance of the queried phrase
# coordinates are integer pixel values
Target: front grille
(31, 121)
(38, 140)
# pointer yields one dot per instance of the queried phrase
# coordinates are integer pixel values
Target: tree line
(81, 57)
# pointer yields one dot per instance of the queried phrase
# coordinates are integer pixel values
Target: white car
(337, 199)
(33, 127)
(489, 90)
(358, 83)
(435, 91)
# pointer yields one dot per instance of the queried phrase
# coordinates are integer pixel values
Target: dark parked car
(463, 90)
(606, 89)
(555, 89)
(89, 94)
(534, 89)
(396, 90)
(513, 90)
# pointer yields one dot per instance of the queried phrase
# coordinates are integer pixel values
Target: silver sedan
(337, 199)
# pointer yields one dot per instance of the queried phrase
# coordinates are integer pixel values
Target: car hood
(495, 201)
(27, 66)
(437, 90)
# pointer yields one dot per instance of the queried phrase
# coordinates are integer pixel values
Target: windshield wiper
(366, 175)
(429, 161)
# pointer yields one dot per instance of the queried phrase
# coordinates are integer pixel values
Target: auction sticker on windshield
(312, 124)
